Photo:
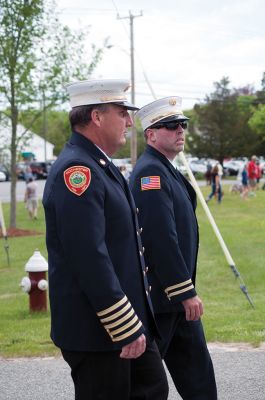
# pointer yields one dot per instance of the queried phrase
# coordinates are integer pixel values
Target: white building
(29, 145)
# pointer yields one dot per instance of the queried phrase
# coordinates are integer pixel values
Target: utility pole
(133, 129)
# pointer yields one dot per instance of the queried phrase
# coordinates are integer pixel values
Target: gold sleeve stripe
(116, 315)
(180, 291)
(120, 321)
(127, 334)
(116, 305)
(177, 285)
(124, 327)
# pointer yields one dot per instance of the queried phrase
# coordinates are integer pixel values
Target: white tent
(29, 143)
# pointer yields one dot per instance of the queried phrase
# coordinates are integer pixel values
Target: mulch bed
(16, 232)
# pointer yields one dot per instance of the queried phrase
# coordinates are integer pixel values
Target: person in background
(101, 311)
(244, 181)
(216, 185)
(28, 174)
(252, 175)
(167, 204)
(208, 173)
(220, 170)
(31, 198)
(258, 172)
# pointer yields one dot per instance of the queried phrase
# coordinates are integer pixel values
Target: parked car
(20, 169)
(232, 167)
(5, 170)
(197, 166)
(2, 176)
(40, 169)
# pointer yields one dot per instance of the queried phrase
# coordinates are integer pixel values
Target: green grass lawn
(228, 316)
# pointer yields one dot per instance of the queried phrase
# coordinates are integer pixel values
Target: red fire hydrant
(36, 284)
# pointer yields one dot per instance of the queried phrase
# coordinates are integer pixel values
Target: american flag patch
(150, 182)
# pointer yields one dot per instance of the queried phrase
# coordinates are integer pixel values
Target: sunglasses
(171, 126)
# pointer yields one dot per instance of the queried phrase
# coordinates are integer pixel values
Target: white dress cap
(102, 91)
(166, 109)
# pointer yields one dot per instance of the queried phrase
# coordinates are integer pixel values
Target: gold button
(140, 230)
(143, 249)
(147, 294)
(150, 288)
(146, 269)
(144, 272)
(140, 253)
(137, 210)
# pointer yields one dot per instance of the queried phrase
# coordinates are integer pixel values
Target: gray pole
(133, 129)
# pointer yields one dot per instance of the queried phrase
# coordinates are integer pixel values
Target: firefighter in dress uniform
(101, 313)
(167, 203)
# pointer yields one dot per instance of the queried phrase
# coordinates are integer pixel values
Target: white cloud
(183, 47)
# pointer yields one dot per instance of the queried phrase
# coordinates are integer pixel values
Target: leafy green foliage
(38, 56)
(257, 124)
(219, 128)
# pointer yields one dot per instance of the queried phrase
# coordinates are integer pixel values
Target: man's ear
(150, 135)
(96, 117)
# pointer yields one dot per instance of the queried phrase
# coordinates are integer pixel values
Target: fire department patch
(77, 179)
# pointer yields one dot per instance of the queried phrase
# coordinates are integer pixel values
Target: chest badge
(77, 179)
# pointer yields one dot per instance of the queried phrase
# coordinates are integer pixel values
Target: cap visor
(128, 106)
(179, 117)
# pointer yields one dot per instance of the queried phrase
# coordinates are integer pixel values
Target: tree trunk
(13, 196)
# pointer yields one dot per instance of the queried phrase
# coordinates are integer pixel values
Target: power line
(218, 28)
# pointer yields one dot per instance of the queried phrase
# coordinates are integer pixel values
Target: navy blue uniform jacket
(170, 229)
(98, 290)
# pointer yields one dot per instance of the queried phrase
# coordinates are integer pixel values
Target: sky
(181, 48)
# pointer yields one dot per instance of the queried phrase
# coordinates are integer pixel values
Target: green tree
(57, 126)
(260, 95)
(257, 120)
(210, 132)
(37, 57)
(245, 137)
(257, 124)
(219, 128)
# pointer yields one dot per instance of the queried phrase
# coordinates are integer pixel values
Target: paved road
(5, 193)
(240, 375)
